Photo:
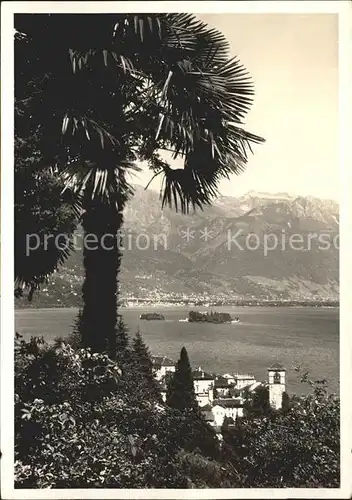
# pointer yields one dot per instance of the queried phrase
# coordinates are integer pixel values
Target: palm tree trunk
(101, 260)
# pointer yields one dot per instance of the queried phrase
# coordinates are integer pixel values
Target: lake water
(308, 337)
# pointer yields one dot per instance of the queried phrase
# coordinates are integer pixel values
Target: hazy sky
(293, 60)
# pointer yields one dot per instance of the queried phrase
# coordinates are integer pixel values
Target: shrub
(82, 421)
(294, 447)
(79, 423)
(203, 472)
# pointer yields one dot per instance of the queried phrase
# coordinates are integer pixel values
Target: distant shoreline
(26, 306)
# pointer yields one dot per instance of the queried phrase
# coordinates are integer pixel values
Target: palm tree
(110, 90)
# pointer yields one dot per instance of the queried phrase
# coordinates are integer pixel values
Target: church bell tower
(277, 385)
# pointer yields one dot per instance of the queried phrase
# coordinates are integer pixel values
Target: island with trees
(210, 317)
(152, 317)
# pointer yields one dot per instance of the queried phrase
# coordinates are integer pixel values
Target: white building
(230, 378)
(203, 399)
(163, 394)
(215, 413)
(223, 389)
(277, 385)
(162, 365)
(243, 380)
(203, 382)
(203, 386)
(239, 380)
(221, 396)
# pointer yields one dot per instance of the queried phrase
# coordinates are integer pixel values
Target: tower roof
(277, 367)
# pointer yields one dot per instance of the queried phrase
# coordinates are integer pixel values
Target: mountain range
(258, 246)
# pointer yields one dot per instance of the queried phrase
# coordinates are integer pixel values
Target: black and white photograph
(173, 183)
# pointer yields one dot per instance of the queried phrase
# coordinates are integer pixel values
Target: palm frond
(73, 124)
(184, 188)
(118, 86)
(97, 180)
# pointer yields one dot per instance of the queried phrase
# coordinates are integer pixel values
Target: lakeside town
(206, 302)
(223, 396)
(71, 297)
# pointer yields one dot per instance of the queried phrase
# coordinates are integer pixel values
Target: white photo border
(344, 10)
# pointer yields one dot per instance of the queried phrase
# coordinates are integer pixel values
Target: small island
(152, 316)
(210, 317)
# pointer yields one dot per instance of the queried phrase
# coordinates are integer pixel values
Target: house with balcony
(203, 386)
(222, 388)
(162, 365)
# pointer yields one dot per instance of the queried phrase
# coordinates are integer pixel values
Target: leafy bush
(80, 423)
(82, 420)
(203, 472)
(294, 447)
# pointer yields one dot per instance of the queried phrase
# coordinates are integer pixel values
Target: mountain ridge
(203, 256)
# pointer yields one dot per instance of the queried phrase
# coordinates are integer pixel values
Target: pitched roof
(244, 376)
(277, 367)
(254, 386)
(222, 383)
(246, 387)
(202, 375)
(207, 407)
(228, 403)
(162, 361)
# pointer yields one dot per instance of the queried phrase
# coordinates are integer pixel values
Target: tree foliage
(122, 339)
(80, 421)
(141, 84)
(286, 403)
(142, 369)
(293, 447)
(114, 90)
(257, 403)
(193, 431)
(180, 391)
(211, 317)
(45, 217)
